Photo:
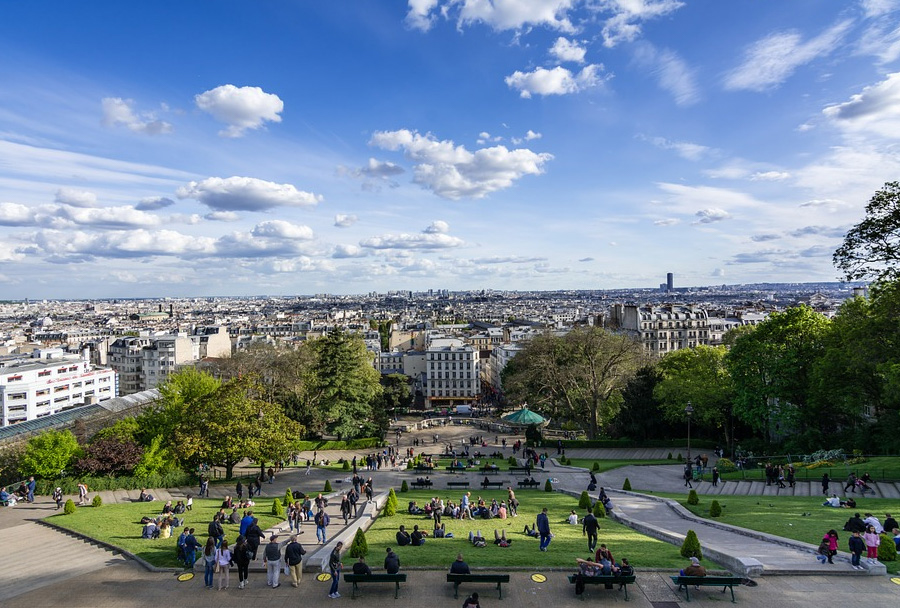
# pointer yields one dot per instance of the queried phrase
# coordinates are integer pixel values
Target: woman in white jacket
(223, 562)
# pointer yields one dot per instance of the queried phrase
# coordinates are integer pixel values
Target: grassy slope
(610, 464)
(119, 525)
(879, 467)
(568, 544)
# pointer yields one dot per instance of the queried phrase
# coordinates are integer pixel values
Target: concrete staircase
(38, 556)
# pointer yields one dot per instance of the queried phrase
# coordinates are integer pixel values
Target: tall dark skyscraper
(670, 281)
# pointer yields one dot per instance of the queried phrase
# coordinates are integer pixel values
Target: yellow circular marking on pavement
(895, 580)
(323, 577)
(538, 578)
(186, 576)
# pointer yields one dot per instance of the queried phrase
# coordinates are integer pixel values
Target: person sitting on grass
(477, 539)
(418, 537)
(414, 508)
(834, 501)
(150, 531)
(459, 566)
(573, 518)
(531, 531)
(403, 537)
(500, 538)
(145, 497)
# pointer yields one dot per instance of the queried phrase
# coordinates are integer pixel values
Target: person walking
(715, 477)
(334, 567)
(82, 493)
(322, 520)
(293, 555)
(254, 536)
(826, 481)
(241, 556)
(272, 562)
(589, 528)
(209, 561)
(32, 485)
(239, 490)
(346, 508)
(543, 526)
(688, 475)
(223, 562)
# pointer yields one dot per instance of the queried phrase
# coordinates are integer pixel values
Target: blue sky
(238, 148)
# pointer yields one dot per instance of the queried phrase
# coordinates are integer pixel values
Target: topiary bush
(359, 547)
(327, 486)
(599, 511)
(887, 550)
(715, 509)
(584, 502)
(69, 507)
(725, 465)
(627, 485)
(596, 467)
(277, 508)
(548, 487)
(693, 499)
(512, 461)
(390, 505)
(680, 457)
(288, 497)
(346, 465)
(97, 501)
(404, 487)
(669, 457)
(409, 464)
(691, 546)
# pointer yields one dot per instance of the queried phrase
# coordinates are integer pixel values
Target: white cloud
(281, 229)
(529, 135)
(75, 198)
(513, 14)
(121, 243)
(875, 110)
(770, 176)
(246, 194)
(568, 50)
(625, 24)
(109, 217)
(348, 251)
(882, 40)
(514, 259)
(555, 81)
(14, 214)
(876, 8)
(708, 216)
(153, 203)
(671, 221)
(240, 108)
(222, 216)
(433, 237)
(118, 112)
(438, 227)
(377, 168)
(345, 220)
(671, 72)
(684, 149)
(419, 15)
(453, 172)
(770, 61)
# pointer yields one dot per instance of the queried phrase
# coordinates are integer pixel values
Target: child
(832, 538)
(823, 554)
(872, 540)
(856, 548)
(190, 502)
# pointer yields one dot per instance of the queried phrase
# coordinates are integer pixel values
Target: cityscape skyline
(302, 148)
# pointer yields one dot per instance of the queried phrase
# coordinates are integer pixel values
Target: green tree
(178, 394)
(577, 376)
(47, 455)
(110, 456)
(691, 546)
(390, 505)
(124, 429)
(699, 376)
(359, 547)
(584, 502)
(871, 249)
(155, 459)
(640, 416)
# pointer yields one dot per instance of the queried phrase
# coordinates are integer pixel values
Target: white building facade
(452, 373)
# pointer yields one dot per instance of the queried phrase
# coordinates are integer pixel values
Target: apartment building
(452, 373)
(662, 329)
(50, 382)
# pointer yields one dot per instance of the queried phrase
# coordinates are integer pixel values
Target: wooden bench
(520, 469)
(358, 579)
(491, 484)
(457, 484)
(529, 483)
(456, 579)
(608, 581)
(725, 582)
(422, 484)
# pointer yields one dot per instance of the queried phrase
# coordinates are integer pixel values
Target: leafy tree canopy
(49, 454)
(871, 249)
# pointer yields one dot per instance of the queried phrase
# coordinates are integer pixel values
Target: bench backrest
(488, 578)
(614, 580)
(707, 580)
(385, 578)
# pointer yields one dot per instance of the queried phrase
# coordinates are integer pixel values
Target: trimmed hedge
(691, 546)
(584, 502)
(359, 547)
(69, 507)
(404, 487)
(354, 444)
(627, 485)
(69, 485)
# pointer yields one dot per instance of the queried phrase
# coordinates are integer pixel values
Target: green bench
(358, 579)
(529, 483)
(456, 579)
(725, 582)
(457, 484)
(490, 471)
(462, 469)
(521, 469)
(421, 485)
(491, 484)
(608, 581)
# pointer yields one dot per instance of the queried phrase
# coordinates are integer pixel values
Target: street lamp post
(688, 412)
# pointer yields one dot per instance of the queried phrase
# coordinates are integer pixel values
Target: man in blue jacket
(322, 521)
(543, 526)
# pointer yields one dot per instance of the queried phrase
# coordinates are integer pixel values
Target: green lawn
(610, 464)
(119, 525)
(795, 517)
(879, 467)
(641, 551)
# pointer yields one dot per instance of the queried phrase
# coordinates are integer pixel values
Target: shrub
(409, 464)
(599, 511)
(390, 505)
(327, 486)
(97, 501)
(346, 465)
(725, 465)
(288, 497)
(359, 547)
(691, 546)
(680, 457)
(715, 509)
(887, 550)
(48, 454)
(585, 501)
(669, 457)
(512, 461)
(627, 485)
(69, 507)
(693, 499)
(277, 508)
(596, 467)
(404, 487)
(548, 487)
(69, 484)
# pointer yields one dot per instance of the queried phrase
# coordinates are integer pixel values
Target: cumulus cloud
(500, 15)
(628, 15)
(281, 229)
(108, 217)
(708, 216)
(75, 198)
(529, 135)
(433, 237)
(348, 251)
(875, 110)
(118, 112)
(828, 231)
(222, 216)
(14, 214)
(345, 220)
(772, 60)
(419, 16)
(453, 172)
(568, 50)
(555, 81)
(75, 244)
(153, 203)
(241, 108)
(377, 168)
(246, 194)
(672, 73)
